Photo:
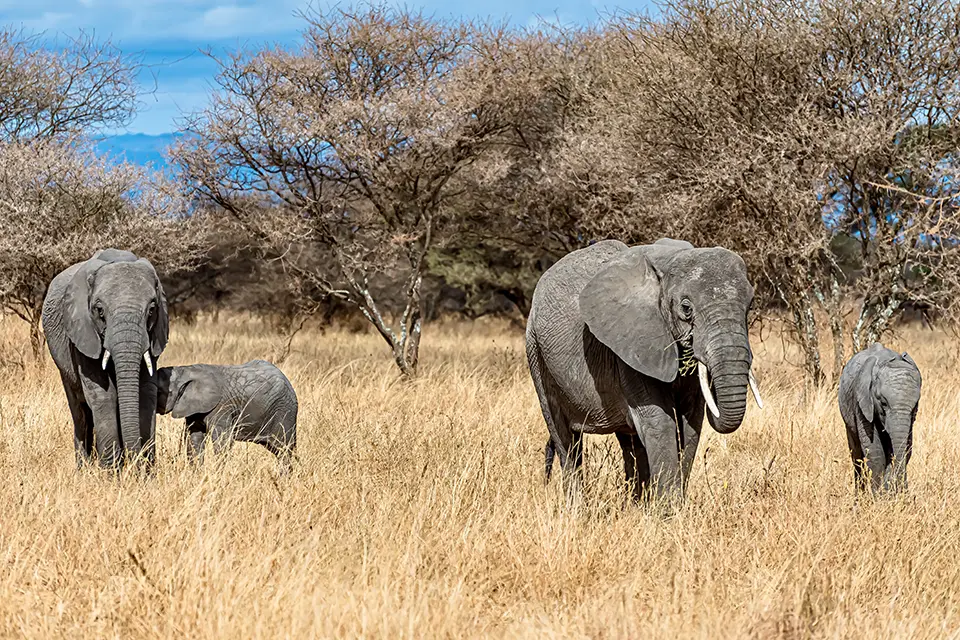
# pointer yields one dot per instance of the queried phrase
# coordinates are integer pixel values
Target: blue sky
(170, 34)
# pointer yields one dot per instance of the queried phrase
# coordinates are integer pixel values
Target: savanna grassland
(418, 510)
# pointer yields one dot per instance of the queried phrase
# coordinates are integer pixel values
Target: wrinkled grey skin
(112, 301)
(252, 402)
(602, 340)
(879, 394)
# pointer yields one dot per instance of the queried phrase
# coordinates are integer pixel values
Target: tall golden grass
(419, 510)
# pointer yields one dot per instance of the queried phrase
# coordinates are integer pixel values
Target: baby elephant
(879, 393)
(252, 402)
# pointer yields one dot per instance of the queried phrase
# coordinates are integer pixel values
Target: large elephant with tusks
(106, 324)
(635, 341)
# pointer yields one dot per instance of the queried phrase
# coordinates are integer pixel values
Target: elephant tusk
(146, 358)
(106, 358)
(705, 388)
(755, 389)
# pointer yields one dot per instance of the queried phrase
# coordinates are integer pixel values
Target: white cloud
(49, 21)
(148, 21)
(232, 21)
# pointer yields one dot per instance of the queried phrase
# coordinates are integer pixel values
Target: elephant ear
(196, 392)
(621, 306)
(81, 329)
(865, 388)
(161, 327)
(164, 384)
(906, 357)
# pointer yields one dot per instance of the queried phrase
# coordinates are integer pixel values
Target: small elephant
(879, 394)
(106, 324)
(252, 402)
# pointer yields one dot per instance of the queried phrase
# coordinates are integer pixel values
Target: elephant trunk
(126, 350)
(729, 368)
(899, 427)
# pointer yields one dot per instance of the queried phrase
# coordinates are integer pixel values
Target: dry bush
(418, 510)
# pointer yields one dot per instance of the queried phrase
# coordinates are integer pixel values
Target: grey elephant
(106, 324)
(634, 341)
(252, 402)
(879, 395)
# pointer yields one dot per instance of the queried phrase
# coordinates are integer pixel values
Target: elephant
(106, 324)
(252, 402)
(879, 395)
(635, 341)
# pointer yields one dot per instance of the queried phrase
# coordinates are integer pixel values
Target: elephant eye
(686, 309)
(98, 308)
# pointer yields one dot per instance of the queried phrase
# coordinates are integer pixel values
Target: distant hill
(138, 148)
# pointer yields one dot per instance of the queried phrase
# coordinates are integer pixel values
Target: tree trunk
(832, 307)
(406, 346)
(873, 322)
(808, 335)
(37, 339)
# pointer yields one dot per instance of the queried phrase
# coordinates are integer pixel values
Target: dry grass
(419, 511)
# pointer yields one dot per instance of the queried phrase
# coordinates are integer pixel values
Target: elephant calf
(879, 395)
(252, 402)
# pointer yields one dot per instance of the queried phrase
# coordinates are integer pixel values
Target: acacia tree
(355, 143)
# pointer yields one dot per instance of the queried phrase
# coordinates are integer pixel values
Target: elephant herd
(106, 323)
(636, 341)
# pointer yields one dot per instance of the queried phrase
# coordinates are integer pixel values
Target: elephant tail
(549, 452)
(538, 373)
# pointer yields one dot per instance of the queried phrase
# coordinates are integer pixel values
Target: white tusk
(705, 388)
(106, 357)
(146, 358)
(755, 389)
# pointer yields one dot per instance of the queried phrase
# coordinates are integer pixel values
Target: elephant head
(187, 391)
(888, 393)
(657, 305)
(115, 311)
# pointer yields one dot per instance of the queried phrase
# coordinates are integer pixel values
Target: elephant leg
(549, 453)
(570, 451)
(82, 426)
(691, 421)
(635, 466)
(861, 475)
(100, 396)
(222, 435)
(148, 420)
(651, 413)
(874, 461)
(195, 435)
(283, 444)
(106, 425)
(658, 433)
(284, 453)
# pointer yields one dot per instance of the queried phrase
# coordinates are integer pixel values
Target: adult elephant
(634, 341)
(106, 323)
